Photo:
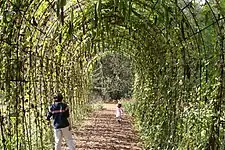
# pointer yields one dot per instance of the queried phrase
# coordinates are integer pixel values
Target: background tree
(112, 77)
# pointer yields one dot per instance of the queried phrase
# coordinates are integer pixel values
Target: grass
(97, 106)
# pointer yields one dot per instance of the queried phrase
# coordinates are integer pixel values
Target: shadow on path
(102, 132)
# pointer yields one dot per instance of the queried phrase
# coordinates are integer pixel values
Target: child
(60, 113)
(119, 112)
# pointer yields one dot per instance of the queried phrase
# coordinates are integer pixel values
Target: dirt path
(102, 132)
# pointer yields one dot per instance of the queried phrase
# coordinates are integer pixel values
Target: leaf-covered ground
(101, 132)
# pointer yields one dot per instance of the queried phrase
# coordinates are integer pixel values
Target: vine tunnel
(176, 46)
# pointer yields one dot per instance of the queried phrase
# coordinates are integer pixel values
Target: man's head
(58, 97)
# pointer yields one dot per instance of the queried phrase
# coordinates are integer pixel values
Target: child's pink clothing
(119, 112)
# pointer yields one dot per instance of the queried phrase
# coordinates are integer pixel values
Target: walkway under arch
(100, 131)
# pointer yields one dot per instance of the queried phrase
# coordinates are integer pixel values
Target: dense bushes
(112, 77)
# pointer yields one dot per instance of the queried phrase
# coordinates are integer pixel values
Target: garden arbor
(176, 46)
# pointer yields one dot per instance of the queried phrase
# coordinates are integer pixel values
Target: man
(60, 113)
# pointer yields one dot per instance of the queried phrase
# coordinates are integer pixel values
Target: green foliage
(98, 105)
(112, 77)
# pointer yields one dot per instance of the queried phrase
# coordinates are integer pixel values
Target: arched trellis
(179, 67)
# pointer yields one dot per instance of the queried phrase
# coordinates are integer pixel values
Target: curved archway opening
(111, 76)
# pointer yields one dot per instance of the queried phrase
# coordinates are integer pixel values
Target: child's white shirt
(119, 112)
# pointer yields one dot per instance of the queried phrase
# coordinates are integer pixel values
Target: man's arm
(49, 115)
(67, 114)
(69, 120)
